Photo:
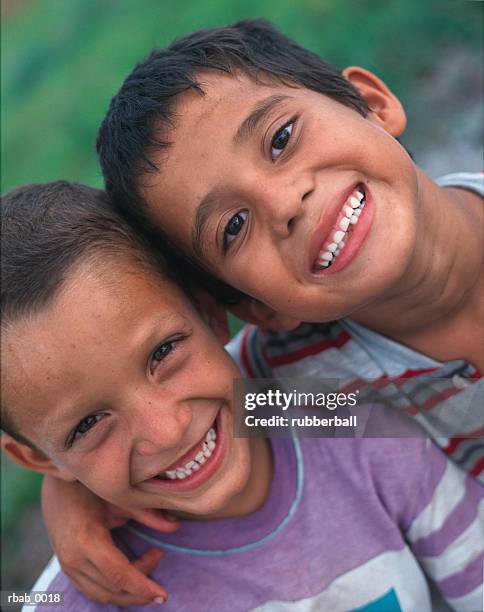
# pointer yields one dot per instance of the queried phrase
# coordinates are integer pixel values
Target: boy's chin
(220, 500)
(382, 282)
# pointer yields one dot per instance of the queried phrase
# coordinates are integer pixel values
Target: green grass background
(62, 60)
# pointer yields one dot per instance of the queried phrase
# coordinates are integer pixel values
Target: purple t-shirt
(349, 524)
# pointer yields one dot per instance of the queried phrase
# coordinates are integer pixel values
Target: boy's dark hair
(46, 230)
(140, 114)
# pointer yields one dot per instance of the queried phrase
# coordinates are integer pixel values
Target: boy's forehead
(219, 90)
(99, 318)
(225, 102)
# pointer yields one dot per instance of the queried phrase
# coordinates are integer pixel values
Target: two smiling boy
(286, 193)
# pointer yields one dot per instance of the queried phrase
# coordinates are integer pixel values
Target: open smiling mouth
(197, 464)
(198, 455)
(342, 230)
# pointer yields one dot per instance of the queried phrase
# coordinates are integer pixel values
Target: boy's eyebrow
(203, 214)
(204, 210)
(261, 109)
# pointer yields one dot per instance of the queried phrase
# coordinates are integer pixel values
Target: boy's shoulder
(340, 349)
(473, 181)
(448, 394)
(262, 354)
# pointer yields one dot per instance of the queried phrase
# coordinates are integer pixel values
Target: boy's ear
(32, 459)
(263, 316)
(214, 314)
(385, 107)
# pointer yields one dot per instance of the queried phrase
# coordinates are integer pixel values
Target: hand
(79, 523)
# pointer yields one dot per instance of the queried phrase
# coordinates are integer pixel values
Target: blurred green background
(62, 60)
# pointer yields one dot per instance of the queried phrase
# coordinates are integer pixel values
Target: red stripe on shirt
(478, 468)
(455, 441)
(307, 351)
(440, 397)
(453, 444)
(412, 373)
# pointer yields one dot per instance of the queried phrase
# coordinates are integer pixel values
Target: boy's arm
(79, 526)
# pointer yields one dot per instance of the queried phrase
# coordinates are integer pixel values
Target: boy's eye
(280, 140)
(233, 227)
(84, 426)
(161, 353)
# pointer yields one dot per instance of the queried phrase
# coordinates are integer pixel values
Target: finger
(116, 516)
(88, 573)
(102, 595)
(113, 522)
(156, 519)
(169, 516)
(119, 574)
(91, 575)
(140, 585)
(149, 560)
(99, 592)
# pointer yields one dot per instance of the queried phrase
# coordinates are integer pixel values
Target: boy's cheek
(104, 473)
(213, 363)
(119, 496)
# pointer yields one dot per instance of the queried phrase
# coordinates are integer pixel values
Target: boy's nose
(284, 204)
(162, 429)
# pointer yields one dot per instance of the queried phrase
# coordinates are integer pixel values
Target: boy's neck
(436, 308)
(254, 495)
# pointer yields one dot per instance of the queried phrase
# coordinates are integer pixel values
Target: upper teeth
(349, 216)
(194, 464)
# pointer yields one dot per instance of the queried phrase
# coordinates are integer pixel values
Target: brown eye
(233, 227)
(163, 350)
(84, 426)
(280, 140)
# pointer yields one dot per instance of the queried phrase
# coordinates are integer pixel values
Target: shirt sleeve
(444, 526)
